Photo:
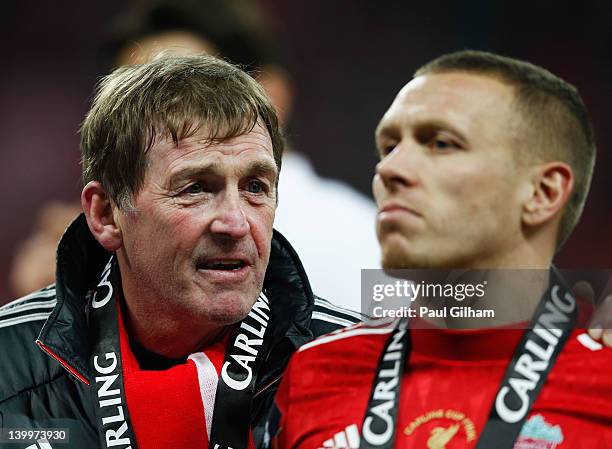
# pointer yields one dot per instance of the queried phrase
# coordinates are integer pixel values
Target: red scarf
(172, 408)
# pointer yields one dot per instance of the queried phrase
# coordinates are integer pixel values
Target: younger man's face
(447, 185)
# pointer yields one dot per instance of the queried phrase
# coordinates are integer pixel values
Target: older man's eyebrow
(191, 173)
(266, 169)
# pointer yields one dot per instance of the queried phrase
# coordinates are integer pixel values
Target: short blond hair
(555, 117)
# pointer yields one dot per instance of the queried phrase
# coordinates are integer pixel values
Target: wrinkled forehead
(468, 101)
(252, 140)
(175, 132)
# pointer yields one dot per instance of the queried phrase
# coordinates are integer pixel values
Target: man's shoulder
(23, 364)
(585, 360)
(356, 346)
(35, 306)
(345, 358)
(366, 331)
(580, 383)
(328, 317)
(583, 353)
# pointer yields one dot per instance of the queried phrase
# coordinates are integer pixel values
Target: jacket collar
(81, 260)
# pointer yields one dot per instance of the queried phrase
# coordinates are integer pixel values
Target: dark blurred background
(348, 59)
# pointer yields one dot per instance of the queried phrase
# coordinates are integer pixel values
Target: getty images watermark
(433, 299)
(474, 298)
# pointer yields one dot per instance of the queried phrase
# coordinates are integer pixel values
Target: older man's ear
(99, 211)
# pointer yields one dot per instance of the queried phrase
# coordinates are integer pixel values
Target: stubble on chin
(398, 257)
(395, 258)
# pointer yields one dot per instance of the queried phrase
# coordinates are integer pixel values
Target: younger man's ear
(552, 185)
(98, 209)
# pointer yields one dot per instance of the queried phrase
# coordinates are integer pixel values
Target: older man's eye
(255, 186)
(194, 189)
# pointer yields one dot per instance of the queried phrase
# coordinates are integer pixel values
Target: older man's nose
(230, 219)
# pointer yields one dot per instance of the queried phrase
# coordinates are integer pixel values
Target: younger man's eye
(387, 150)
(440, 144)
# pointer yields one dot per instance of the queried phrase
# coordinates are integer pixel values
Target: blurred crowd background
(347, 60)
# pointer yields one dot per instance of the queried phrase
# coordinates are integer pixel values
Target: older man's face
(198, 245)
(447, 185)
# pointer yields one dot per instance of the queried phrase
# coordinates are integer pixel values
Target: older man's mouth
(230, 265)
(224, 270)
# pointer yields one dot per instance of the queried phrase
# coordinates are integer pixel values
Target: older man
(176, 305)
(485, 163)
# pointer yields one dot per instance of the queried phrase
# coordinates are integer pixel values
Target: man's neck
(165, 339)
(517, 276)
(510, 297)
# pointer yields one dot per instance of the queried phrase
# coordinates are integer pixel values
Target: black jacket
(45, 340)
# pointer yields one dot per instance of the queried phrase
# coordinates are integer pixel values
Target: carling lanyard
(235, 388)
(551, 326)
